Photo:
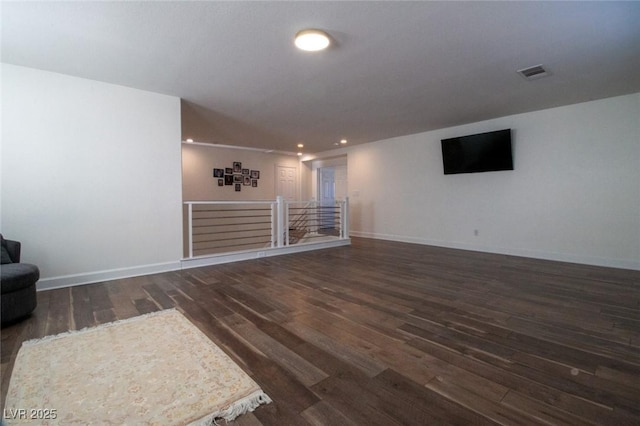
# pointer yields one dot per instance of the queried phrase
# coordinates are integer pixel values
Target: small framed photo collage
(236, 176)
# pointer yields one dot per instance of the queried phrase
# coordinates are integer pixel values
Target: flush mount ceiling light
(312, 40)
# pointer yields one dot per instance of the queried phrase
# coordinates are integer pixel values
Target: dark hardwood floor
(391, 333)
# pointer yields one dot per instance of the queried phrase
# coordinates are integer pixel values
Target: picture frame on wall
(237, 176)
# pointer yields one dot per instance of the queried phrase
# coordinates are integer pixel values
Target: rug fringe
(97, 327)
(238, 408)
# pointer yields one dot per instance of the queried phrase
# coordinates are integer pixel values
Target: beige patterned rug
(156, 369)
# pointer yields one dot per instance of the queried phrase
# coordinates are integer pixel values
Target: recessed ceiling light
(189, 140)
(300, 145)
(343, 141)
(312, 40)
(299, 154)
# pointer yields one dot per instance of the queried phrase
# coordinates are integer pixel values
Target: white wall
(91, 179)
(199, 160)
(574, 194)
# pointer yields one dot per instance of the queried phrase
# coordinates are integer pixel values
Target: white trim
(258, 254)
(244, 148)
(112, 274)
(242, 203)
(535, 254)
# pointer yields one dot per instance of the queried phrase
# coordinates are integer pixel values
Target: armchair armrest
(13, 248)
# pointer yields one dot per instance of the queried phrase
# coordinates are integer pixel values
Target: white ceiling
(394, 68)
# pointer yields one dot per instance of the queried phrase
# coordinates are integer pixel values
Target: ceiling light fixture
(300, 145)
(190, 140)
(299, 154)
(343, 141)
(312, 40)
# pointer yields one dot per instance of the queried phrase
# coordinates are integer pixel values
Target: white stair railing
(221, 227)
(299, 221)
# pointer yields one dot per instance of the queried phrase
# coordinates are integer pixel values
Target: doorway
(287, 182)
(332, 186)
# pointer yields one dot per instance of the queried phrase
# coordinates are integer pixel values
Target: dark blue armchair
(18, 283)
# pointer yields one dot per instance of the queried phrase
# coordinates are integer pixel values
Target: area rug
(155, 369)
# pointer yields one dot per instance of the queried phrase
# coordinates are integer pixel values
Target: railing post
(345, 218)
(190, 231)
(274, 224)
(286, 224)
(280, 221)
(316, 217)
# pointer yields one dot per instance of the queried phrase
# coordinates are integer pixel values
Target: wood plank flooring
(390, 333)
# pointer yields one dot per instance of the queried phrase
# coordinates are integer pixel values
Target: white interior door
(326, 197)
(287, 182)
(340, 174)
(327, 189)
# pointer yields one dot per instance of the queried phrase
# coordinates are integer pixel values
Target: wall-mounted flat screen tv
(484, 152)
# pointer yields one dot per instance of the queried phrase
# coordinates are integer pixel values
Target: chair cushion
(5, 256)
(16, 276)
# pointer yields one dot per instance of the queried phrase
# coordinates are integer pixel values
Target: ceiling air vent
(533, 73)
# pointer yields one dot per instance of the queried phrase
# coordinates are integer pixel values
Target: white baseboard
(535, 254)
(257, 254)
(112, 274)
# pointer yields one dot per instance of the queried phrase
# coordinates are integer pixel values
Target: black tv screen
(484, 152)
